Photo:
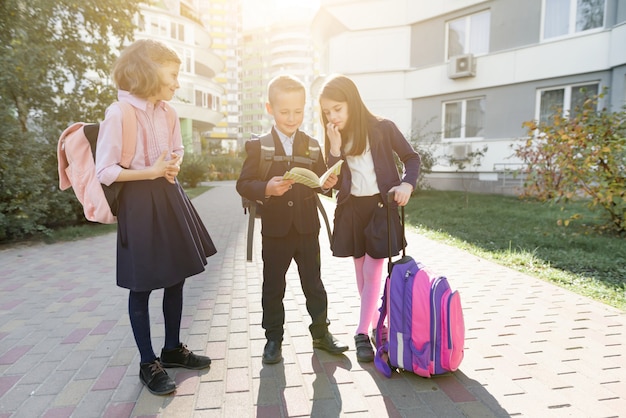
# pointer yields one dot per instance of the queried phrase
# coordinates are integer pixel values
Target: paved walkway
(66, 347)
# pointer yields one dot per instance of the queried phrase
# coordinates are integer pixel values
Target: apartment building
(223, 19)
(467, 73)
(198, 101)
(267, 51)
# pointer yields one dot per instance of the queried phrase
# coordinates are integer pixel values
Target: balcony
(203, 119)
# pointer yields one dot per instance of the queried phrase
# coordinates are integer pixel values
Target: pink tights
(368, 277)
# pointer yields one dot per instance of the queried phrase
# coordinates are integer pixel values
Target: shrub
(225, 167)
(579, 156)
(194, 170)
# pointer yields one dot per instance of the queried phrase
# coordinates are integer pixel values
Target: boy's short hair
(282, 84)
(137, 68)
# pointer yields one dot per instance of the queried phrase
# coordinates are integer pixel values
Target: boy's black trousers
(277, 255)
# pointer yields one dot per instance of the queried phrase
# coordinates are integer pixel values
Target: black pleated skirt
(161, 240)
(360, 228)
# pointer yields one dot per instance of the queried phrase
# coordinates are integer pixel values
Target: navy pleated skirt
(360, 228)
(160, 237)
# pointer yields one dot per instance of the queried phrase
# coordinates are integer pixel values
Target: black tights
(140, 319)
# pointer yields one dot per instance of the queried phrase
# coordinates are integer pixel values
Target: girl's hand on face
(334, 137)
(402, 193)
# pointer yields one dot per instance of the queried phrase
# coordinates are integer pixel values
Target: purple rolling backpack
(421, 328)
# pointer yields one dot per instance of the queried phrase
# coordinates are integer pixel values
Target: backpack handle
(390, 196)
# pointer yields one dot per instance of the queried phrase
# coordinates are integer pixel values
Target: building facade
(269, 51)
(198, 101)
(223, 18)
(467, 73)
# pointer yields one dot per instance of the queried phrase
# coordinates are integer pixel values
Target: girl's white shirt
(363, 173)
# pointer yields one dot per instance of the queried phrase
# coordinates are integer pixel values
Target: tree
(424, 142)
(579, 155)
(55, 58)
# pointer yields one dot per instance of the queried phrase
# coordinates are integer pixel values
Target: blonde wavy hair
(137, 68)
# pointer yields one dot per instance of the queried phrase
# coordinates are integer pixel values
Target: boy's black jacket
(297, 206)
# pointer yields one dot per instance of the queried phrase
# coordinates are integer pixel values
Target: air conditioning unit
(460, 152)
(462, 66)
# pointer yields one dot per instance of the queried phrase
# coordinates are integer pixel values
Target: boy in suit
(290, 224)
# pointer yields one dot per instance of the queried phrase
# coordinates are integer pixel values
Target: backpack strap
(267, 156)
(129, 130)
(129, 133)
(265, 162)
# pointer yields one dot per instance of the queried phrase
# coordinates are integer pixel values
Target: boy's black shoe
(156, 378)
(272, 353)
(330, 344)
(182, 357)
(364, 350)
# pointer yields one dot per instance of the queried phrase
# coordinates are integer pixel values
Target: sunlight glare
(257, 13)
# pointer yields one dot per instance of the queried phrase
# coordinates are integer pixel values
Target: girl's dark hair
(340, 88)
(137, 68)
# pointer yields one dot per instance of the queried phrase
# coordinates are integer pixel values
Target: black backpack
(268, 156)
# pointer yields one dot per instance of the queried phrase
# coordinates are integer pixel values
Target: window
(566, 17)
(464, 119)
(564, 100)
(158, 27)
(207, 100)
(177, 31)
(186, 56)
(469, 34)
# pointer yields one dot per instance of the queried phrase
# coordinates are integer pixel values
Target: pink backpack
(76, 151)
(425, 328)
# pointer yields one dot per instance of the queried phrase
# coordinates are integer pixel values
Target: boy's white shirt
(287, 141)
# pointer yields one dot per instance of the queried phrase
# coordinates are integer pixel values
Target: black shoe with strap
(182, 357)
(156, 378)
(364, 350)
(329, 344)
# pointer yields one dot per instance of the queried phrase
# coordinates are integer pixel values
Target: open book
(309, 178)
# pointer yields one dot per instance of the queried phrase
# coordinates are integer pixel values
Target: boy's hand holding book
(277, 186)
(310, 179)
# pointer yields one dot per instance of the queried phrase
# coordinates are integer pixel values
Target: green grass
(525, 235)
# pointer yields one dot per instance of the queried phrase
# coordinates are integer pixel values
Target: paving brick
(76, 336)
(104, 327)
(110, 378)
(7, 382)
(237, 380)
(14, 354)
(61, 412)
(122, 410)
(238, 358)
(454, 389)
(35, 407)
(72, 393)
(296, 401)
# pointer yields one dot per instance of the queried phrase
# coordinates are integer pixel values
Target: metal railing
(510, 173)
